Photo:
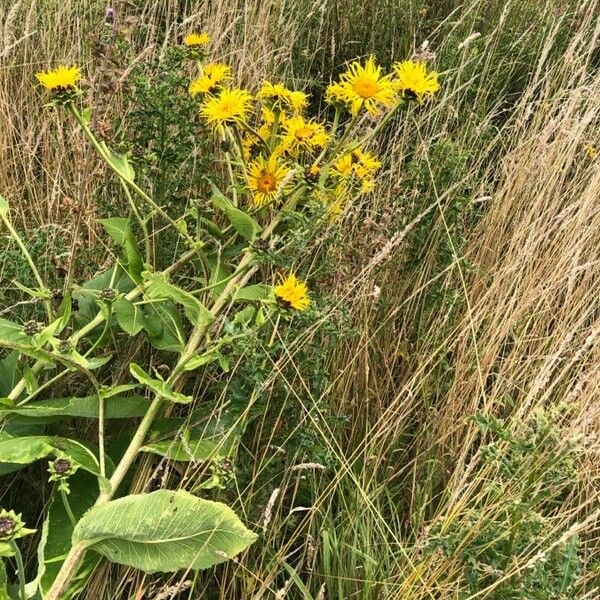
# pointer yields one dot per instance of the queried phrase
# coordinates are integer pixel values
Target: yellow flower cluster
(365, 87)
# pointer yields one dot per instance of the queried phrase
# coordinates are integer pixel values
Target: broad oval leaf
(163, 531)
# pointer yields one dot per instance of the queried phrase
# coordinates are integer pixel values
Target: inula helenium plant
(279, 166)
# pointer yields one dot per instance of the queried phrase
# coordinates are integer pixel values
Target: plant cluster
(222, 293)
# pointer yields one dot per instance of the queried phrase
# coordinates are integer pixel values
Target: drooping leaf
(115, 407)
(159, 288)
(158, 386)
(242, 222)
(28, 449)
(164, 326)
(163, 531)
(119, 229)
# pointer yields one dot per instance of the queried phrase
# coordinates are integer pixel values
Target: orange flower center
(266, 183)
(365, 88)
(304, 133)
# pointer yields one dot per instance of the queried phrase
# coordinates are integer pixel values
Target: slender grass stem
(20, 569)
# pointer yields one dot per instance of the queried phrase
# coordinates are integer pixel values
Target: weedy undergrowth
(231, 288)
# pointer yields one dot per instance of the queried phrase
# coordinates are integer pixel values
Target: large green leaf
(242, 222)
(10, 373)
(12, 333)
(203, 435)
(115, 407)
(164, 326)
(28, 449)
(164, 531)
(159, 288)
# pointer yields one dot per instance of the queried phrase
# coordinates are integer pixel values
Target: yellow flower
(293, 292)
(213, 76)
(366, 163)
(364, 86)
(228, 108)
(281, 97)
(61, 78)
(344, 165)
(363, 165)
(414, 81)
(265, 179)
(303, 135)
(336, 93)
(591, 152)
(196, 40)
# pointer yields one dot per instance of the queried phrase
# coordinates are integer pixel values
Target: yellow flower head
(363, 165)
(281, 97)
(591, 152)
(229, 107)
(213, 76)
(293, 292)
(196, 40)
(413, 80)
(60, 79)
(265, 178)
(364, 86)
(303, 135)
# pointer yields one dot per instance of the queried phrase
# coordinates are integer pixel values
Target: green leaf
(11, 333)
(119, 229)
(160, 288)
(121, 164)
(163, 531)
(158, 386)
(115, 407)
(25, 450)
(10, 372)
(242, 222)
(199, 437)
(129, 316)
(258, 291)
(164, 326)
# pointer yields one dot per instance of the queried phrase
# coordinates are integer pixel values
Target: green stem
(67, 506)
(20, 569)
